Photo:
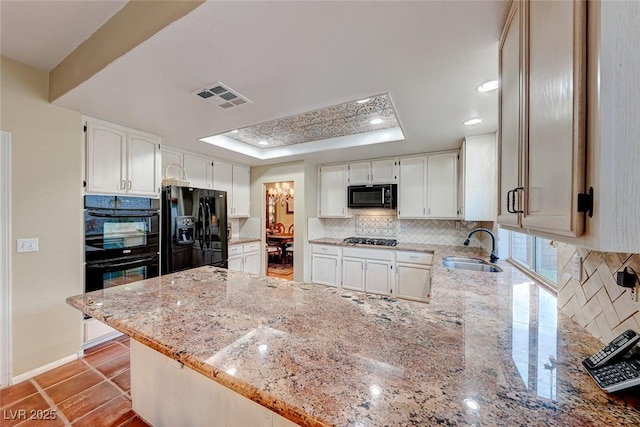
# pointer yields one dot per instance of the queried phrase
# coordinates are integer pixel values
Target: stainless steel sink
(473, 264)
(463, 259)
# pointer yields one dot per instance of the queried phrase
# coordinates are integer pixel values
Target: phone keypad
(614, 374)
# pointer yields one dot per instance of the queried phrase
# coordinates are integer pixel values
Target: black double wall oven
(122, 240)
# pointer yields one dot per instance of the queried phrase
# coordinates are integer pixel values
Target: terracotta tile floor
(93, 391)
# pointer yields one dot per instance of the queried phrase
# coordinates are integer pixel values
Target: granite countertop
(242, 240)
(401, 246)
(488, 349)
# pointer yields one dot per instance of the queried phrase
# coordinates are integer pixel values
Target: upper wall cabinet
(380, 171)
(235, 180)
(428, 186)
(199, 170)
(333, 191)
(442, 185)
(477, 178)
(542, 111)
(121, 161)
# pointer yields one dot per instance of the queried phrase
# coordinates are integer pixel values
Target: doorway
(5, 259)
(279, 229)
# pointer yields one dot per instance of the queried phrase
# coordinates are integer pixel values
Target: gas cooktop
(370, 241)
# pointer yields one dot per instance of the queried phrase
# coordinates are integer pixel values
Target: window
(536, 254)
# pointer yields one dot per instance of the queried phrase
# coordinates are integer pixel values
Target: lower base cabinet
(164, 392)
(413, 271)
(245, 258)
(401, 274)
(325, 265)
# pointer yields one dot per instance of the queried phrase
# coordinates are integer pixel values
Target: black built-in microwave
(373, 196)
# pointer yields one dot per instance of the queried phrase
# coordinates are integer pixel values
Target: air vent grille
(221, 95)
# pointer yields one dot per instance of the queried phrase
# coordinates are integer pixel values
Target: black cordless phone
(610, 373)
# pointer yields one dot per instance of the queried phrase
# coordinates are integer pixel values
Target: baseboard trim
(45, 368)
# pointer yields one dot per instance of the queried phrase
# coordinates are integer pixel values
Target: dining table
(282, 239)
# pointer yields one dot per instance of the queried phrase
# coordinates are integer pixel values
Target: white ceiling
(293, 57)
(43, 33)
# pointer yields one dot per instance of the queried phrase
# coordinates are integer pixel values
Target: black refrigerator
(194, 228)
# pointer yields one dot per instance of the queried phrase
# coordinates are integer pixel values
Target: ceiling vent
(221, 95)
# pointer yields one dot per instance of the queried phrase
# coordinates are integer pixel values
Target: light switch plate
(577, 267)
(27, 245)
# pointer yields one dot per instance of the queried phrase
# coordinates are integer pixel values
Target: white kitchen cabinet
(369, 270)
(442, 187)
(241, 192)
(353, 273)
(325, 265)
(412, 194)
(244, 257)
(477, 178)
(121, 161)
(379, 171)
(199, 170)
(542, 112)
(413, 275)
(333, 191)
(379, 276)
(613, 127)
(234, 179)
(171, 156)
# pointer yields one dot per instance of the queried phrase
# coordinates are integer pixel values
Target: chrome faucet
(494, 257)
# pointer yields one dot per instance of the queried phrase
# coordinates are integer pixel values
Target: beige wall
(296, 172)
(46, 203)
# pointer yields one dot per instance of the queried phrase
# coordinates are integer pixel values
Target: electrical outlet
(577, 267)
(27, 245)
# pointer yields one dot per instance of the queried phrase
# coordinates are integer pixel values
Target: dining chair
(279, 228)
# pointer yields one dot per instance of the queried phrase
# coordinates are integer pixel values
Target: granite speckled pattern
(488, 349)
(242, 240)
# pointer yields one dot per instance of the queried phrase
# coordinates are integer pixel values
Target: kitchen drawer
(379, 254)
(326, 250)
(235, 250)
(415, 257)
(251, 247)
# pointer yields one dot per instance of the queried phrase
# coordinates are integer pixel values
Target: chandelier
(281, 193)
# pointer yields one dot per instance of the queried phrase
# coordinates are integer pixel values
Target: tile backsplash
(381, 224)
(596, 302)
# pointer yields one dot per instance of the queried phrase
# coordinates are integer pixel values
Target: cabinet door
(442, 187)
(413, 281)
(171, 157)
(384, 171)
(353, 273)
(411, 188)
(241, 195)
(509, 117)
(252, 262)
(333, 191)
(555, 145)
(199, 171)
(359, 173)
(478, 158)
(378, 277)
(235, 264)
(222, 176)
(143, 165)
(106, 159)
(325, 270)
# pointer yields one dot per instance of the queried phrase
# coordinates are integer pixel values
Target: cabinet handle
(129, 185)
(122, 185)
(423, 211)
(513, 200)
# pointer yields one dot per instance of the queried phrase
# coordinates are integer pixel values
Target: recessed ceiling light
(363, 101)
(488, 86)
(234, 131)
(472, 122)
(263, 143)
(376, 121)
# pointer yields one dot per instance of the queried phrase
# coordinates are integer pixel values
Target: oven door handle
(108, 215)
(122, 264)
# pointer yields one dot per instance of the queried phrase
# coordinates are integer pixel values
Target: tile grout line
(105, 377)
(50, 401)
(104, 404)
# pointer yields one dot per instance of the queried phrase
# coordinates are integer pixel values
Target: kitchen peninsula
(487, 349)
